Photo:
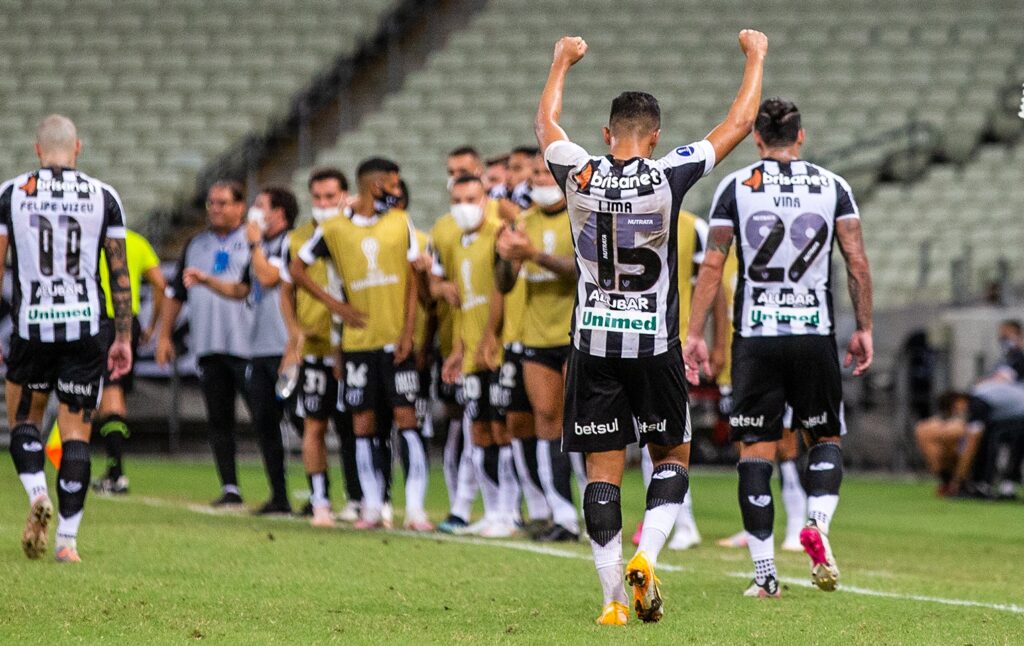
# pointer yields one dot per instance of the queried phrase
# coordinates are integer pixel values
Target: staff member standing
(270, 219)
(214, 320)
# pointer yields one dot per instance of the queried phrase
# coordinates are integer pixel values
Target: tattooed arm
(709, 281)
(858, 279)
(120, 357)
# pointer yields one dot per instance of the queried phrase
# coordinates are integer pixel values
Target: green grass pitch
(159, 569)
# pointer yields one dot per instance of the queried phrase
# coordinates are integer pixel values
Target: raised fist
(753, 42)
(570, 49)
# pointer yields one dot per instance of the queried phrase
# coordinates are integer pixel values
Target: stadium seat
(866, 69)
(172, 73)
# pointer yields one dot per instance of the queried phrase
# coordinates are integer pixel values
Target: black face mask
(385, 202)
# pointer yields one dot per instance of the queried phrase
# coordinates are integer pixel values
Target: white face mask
(321, 213)
(546, 196)
(451, 183)
(467, 216)
(258, 216)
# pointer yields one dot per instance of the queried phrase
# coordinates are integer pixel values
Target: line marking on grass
(545, 550)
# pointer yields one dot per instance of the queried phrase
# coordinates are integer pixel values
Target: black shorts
(553, 358)
(107, 333)
(372, 380)
(73, 368)
(483, 396)
(612, 403)
(513, 398)
(769, 372)
(317, 391)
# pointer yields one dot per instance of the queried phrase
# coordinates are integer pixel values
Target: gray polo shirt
(269, 334)
(217, 325)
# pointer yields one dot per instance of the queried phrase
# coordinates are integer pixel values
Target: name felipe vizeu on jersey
(784, 218)
(624, 228)
(56, 224)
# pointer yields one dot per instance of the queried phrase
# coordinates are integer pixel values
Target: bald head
(57, 141)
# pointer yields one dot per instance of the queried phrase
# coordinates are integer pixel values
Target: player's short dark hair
(636, 111)
(1013, 324)
(465, 150)
(497, 160)
(376, 165)
(529, 151)
(236, 188)
(778, 122)
(467, 179)
(282, 198)
(403, 188)
(327, 172)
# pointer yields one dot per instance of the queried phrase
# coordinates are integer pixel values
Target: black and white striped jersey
(784, 217)
(624, 227)
(56, 221)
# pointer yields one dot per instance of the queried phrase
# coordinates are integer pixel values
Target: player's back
(57, 221)
(623, 216)
(784, 216)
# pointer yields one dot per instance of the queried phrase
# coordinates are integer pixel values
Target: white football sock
(821, 509)
(467, 481)
(488, 487)
(68, 527)
(508, 486)
(416, 477)
(563, 512)
(608, 561)
(34, 483)
(794, 500)
(369, 479)
(536, 504)
(318, 497)
(450, 460)
(762, 553)
(658, 523)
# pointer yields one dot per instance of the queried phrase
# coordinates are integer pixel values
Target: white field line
(545, 550)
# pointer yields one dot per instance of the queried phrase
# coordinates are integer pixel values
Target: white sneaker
(684, 538)
(322, 517)
(387, 516)
(350, 512)
(498, 529)
(739, 539)
(473, 529)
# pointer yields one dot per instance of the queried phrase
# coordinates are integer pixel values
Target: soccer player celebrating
(625, 379)
(475, 362)
(785, 214)
(372, 252)
(55, 221)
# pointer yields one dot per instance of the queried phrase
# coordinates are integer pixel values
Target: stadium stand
(949, 231)
(859, 71)
(158, 89)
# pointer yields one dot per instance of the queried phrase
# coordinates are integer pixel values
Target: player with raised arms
(785, 215)
(625, 381)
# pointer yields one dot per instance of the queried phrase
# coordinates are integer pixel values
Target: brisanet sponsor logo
(594, 428)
